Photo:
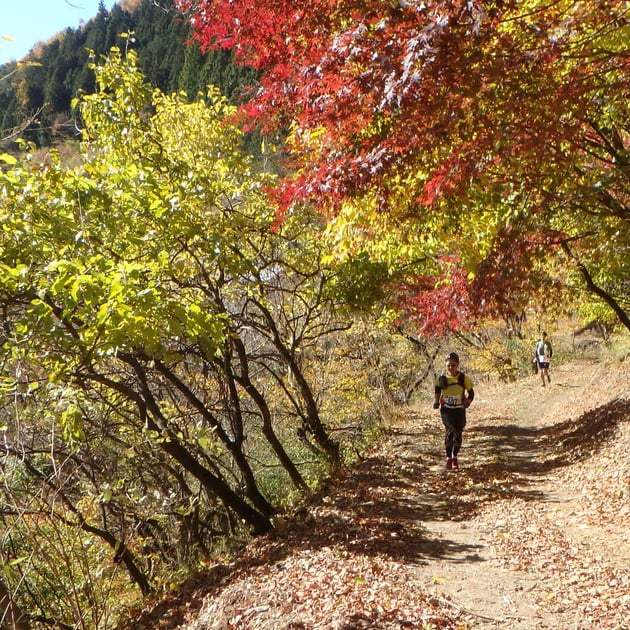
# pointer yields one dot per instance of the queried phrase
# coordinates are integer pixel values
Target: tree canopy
(464, 128)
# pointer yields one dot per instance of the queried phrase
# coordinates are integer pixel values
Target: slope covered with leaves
(531, 532)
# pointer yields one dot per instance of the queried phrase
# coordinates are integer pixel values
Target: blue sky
(28, 22)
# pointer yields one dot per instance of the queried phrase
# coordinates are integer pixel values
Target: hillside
(36, 94)
(531, 532)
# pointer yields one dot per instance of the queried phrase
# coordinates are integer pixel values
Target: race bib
(453, 401)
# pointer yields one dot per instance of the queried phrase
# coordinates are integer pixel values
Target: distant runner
(453, 395)
(544, 352)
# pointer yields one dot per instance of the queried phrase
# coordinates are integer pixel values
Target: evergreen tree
(189, 77)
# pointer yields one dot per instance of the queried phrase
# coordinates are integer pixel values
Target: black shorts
(454, 418)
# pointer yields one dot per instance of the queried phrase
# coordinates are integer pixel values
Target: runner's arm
(438, 395)
(471, 395)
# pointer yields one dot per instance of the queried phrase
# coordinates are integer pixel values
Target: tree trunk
(234, 446)
(122, 555)
(251, 487)
(312, 420)
(268, 431)
(121, 552)
(213, 485)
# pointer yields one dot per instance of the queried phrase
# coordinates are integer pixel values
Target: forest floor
(532, 532)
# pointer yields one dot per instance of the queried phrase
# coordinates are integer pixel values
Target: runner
(453, 395)
(544, 352)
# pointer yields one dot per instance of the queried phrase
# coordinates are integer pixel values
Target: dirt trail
(513, 435)
(530, 533)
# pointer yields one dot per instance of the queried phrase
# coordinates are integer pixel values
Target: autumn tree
(166, 348)
(438, 128)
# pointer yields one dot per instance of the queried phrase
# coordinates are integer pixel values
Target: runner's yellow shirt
(453, 394)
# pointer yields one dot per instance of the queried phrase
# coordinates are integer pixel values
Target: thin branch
(624, 318)
(16, 131)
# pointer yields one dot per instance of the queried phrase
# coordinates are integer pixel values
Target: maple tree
(408, 117)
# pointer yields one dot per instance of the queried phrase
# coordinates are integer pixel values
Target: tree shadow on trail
(381, 507)
(539, 451)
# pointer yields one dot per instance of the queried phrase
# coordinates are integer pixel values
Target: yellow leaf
(436, 579)
(7, 159)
